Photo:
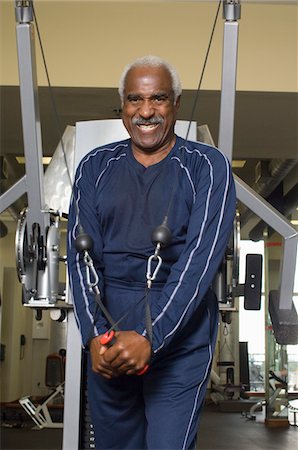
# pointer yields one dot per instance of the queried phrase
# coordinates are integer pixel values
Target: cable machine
(38, 235)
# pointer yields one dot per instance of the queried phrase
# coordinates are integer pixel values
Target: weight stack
(87, 435)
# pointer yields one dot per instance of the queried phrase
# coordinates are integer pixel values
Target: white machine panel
(94, 133)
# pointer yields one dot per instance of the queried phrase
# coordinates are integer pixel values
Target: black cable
(59, 128)
(82, 238)
(194, 105)
(81, 231)
(203, 69)
(58, 124)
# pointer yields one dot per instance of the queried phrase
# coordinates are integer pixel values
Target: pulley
(38, 262)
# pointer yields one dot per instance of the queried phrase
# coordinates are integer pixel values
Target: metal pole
(231, 13)
(72, 398)
(30, 117)
(13, 193)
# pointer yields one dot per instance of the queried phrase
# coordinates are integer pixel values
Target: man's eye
(160, 98)
(133, 100)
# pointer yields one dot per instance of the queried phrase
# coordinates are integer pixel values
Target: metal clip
(151, 276)
(90, 268)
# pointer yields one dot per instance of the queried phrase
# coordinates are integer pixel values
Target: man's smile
(148, 127)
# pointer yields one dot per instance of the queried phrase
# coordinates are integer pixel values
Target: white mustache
(152, 121)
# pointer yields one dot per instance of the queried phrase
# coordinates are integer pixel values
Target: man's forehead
(150, 78)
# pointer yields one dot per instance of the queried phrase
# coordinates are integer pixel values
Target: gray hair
(151, 61)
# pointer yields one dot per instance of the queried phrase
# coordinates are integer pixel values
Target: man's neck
(148, 158)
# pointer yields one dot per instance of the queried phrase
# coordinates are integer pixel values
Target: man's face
(148, 110)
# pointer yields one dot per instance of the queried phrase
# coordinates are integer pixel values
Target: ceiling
(265, 137)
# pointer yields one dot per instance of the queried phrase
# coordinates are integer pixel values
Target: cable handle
(83, 244)
(108, 339)
(143, 371)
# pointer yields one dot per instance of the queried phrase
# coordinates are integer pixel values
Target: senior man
(122, 192)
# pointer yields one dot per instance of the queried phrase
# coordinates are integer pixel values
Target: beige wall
(23, 374)
(88, 43)
(15, 320)
(7, 254)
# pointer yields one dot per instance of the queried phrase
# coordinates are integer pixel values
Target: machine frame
(38, 214)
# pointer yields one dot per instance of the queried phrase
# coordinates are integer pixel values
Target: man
(122, 192)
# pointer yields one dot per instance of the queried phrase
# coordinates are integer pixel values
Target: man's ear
(177, 103)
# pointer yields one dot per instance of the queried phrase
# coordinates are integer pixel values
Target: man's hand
(99, 365)
(130, 353)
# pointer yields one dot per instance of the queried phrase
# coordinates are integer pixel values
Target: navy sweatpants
(161, 409)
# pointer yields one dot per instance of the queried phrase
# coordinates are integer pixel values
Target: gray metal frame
(31, 125)
(72, 395)
(33, 184)
(231, 12)
(280, 224)
(13, 193)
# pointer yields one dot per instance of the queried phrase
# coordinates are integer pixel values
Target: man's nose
(146, 109)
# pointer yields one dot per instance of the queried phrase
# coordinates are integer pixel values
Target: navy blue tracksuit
(119, 203)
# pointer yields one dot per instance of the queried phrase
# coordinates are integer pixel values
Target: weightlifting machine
(38, 234)
(55, 376)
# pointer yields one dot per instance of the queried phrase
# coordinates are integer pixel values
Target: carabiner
(90, 268)
(151, 276)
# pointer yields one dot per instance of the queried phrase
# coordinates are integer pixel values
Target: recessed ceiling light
(45, 160)
(238, 163)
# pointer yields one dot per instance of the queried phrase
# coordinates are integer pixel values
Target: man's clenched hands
(128, 355)
(99, 365)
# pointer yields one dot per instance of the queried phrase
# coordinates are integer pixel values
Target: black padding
(253, 282)
(230, 375)
(225, 363)
(54, 370)
(284, 321)
(244, 365)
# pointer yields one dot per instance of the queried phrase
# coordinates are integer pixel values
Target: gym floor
(218, 431)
